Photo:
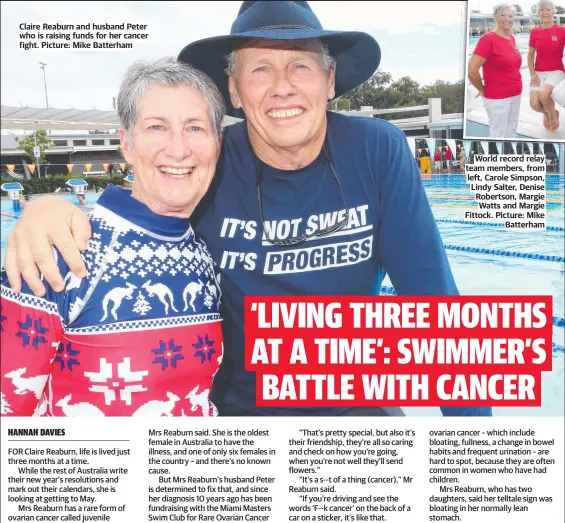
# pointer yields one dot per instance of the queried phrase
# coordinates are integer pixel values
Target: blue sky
(420, 39)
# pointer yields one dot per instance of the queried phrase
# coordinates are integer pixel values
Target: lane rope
(511, 254)
(488, 224)
(390, 291)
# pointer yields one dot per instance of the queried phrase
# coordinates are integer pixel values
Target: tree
(372, 92)
(406, 92)
(452, 95)
(559, 10)
(342, 104)
(518, 8)
(141, 305)
(382, 92)
(120, 152)
(27, 143)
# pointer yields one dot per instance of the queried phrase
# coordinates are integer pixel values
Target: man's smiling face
(283, 88)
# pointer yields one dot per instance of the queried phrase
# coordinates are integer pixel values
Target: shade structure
(35, 118)
(76, 182)
(12, 186)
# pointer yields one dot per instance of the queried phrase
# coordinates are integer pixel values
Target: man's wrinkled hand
(49, 221)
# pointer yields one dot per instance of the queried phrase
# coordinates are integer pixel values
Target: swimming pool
(522, 42)
(483, 272)
(480, 259)
(479, 130)
(7, 222)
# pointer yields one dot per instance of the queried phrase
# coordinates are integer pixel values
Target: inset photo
(515, 81)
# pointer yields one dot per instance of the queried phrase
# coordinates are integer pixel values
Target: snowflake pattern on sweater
(139, 336)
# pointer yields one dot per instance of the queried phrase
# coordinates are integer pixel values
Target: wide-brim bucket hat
(357, 54)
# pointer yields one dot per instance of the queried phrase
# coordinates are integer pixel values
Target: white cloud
(395, 17)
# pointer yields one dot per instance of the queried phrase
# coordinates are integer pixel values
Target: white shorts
(548, 78)
(558, 93)
(437, 165)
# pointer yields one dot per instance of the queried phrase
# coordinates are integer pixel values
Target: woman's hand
(46, 222)
(535, 79)
(480, 93)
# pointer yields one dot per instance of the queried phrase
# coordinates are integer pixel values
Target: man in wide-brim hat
(306, 201)
(357, 54)
(312, 202)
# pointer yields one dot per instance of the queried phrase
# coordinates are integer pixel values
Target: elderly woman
(141, 334)
(545, 60)
(500, 59)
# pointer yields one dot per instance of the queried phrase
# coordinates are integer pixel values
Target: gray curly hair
(546, 3)
(499, 7)
(168, 71)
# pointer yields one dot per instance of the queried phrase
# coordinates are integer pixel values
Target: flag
(485, 147)
(431, 142)
(412, 145)
(452, 145)
(467, 144)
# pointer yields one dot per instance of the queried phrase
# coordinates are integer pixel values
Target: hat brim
(357, 55)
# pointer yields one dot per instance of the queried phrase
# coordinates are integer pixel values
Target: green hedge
(52, 183)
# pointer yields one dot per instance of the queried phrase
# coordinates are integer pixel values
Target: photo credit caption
(509, 189)
(80, 37)
(403, 351)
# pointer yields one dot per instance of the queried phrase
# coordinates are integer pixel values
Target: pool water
(9, 217)
(481, 273)
(478, 130)
(490, 274)
(522, 42)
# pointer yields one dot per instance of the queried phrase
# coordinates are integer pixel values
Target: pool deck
(530, 123)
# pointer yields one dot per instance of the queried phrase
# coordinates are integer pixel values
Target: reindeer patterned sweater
(140, 336)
